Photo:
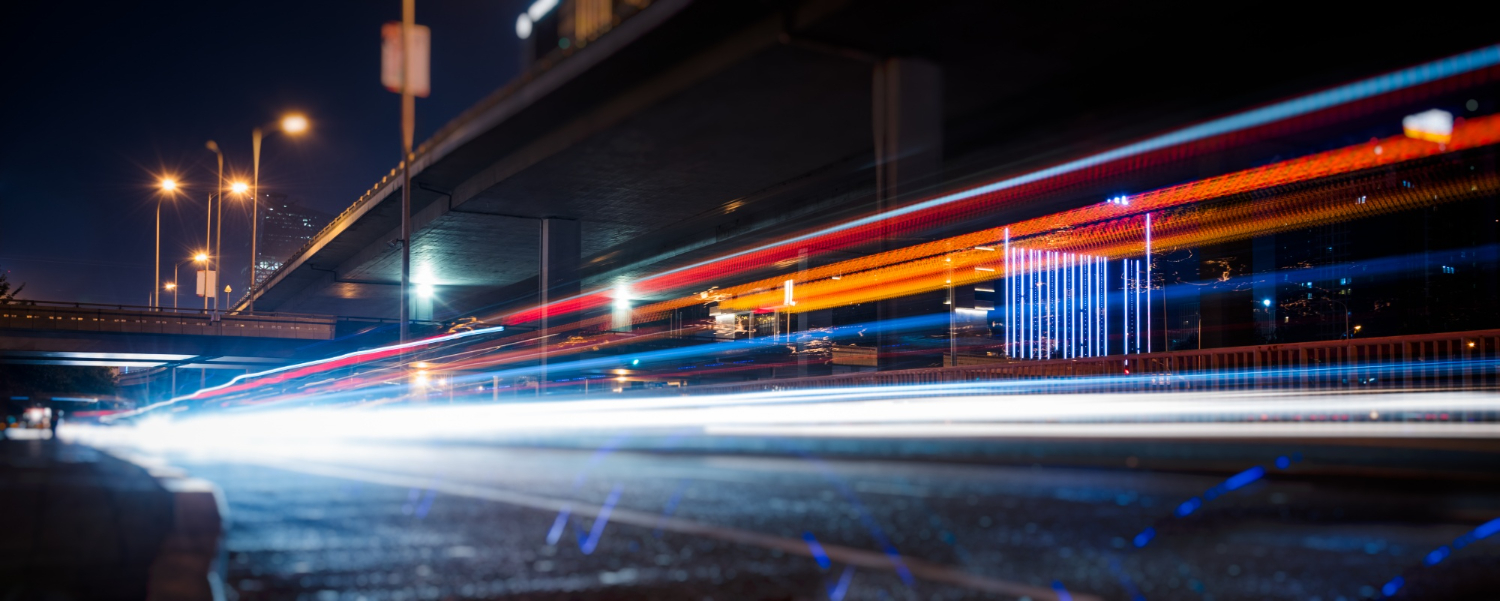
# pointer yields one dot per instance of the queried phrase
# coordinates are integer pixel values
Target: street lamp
(292, 124)
(198, 258)
(1346, 314)
(168, 188)
(213, 268)
(239, 189)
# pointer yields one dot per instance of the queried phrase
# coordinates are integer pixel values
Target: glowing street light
(239, 187)
(168, 188)
(292, 123)
(197, 258)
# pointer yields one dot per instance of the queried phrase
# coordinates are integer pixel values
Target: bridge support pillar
(908, 131)
(561, 247)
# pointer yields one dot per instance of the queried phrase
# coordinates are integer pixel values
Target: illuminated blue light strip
(1137, 275)
(1054, 304)
(1010, 350)
(1125, 306)
(1148, 283)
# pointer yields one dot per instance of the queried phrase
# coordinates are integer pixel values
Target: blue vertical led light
(1009, 350)
(1148, 282)
(1125, 306)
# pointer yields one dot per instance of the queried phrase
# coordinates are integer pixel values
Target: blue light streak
(1188, 507)
(592, 542)
(819, 555)
(555, 533)
(1062, 591)
(1144, 538)
(671, 506)
(1244, 478)
(865, 518)
(837, 591)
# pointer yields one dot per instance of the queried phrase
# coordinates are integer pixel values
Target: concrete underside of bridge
(698, 128)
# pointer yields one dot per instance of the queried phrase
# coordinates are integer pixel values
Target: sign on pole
(418, 47)
(207, 280)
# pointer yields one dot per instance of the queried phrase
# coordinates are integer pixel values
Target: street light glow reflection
(294, 124)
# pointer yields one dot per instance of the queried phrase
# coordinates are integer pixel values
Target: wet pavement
(492, 522)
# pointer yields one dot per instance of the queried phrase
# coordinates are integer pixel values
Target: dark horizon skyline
(108, 102)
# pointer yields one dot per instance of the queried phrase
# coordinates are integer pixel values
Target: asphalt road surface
(857, 520)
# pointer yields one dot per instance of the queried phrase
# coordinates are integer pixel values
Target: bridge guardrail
(85, 317)
(1455, 360)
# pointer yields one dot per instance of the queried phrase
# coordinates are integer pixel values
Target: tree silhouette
(7, 295)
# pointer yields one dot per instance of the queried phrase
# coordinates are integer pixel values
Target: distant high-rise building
(285, 226)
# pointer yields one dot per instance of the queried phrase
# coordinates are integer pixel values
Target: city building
(285, 226)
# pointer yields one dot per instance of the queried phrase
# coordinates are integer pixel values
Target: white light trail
(893, 411)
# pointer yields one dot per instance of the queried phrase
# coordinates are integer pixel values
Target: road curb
(190, 564)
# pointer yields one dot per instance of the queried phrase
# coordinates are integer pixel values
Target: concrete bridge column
(908, 131)
(561, 247)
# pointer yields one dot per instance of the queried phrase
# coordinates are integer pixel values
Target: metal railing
(1456, 360)
(92, 317)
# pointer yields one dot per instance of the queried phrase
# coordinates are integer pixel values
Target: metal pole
(218, 244)
(176, 285)
(408, 124)
(952, 320)
(213, 264)
(254, 216)
(156, 265)
(208, 238)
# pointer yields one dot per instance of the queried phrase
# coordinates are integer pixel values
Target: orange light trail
(1106, 229)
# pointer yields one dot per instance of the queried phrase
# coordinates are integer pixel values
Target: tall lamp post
(1346, 313)
(213, 267)
(291, 124)
(239, 189)
(168, 187)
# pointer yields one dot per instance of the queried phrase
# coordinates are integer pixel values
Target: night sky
(102, 98)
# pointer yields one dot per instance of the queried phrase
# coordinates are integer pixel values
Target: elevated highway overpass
(694, 129)
(82, 334)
